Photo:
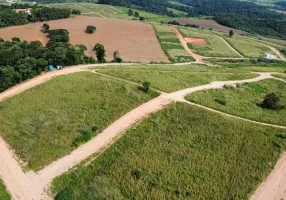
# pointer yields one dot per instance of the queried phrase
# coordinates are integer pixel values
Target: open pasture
(42, 123)
(182, 152)
(245, 100)
(135, 41)
(70, 6)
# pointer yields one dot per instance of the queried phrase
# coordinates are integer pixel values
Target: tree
(130, 12)
(45, 28)
(146, 86)
(231, 33)
(271, 101)
(16, 39)
(116, 57)
(90, 29)
(136, 14)
(76, 12)
(100, 52)
(141, 18)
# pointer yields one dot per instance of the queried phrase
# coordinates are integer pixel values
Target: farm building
(269, 56)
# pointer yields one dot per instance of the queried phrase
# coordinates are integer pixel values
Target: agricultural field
(71, 6)
(171, 44)
(245, 100)
(248, 48)
(215, 46)
(43, 124)
(133, 43)
(4, 195)
(181, 152)
(169, 81)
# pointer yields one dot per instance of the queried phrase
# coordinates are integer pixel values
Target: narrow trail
(278, 53)
(91, 11)
(231, 47)
(33, 185)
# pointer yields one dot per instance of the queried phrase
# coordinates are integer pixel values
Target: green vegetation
(42, 123)
(177, 3)
(215, 46)
(182, 152)
(248, 48)
(100, 52)
(169, 81)
(171, 44)
(245, 100)
(283, 76)
(4, 195)
(90, 29)
(175, 12)
(71, 6)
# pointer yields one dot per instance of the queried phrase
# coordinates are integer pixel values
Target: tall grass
(182, 152)
(4, 195)
(42, 123)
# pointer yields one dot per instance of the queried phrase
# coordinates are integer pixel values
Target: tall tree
(100, 52)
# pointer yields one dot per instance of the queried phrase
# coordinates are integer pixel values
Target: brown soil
(135, 41)
(195, 41)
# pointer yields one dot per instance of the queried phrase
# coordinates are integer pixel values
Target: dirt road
(31, 185)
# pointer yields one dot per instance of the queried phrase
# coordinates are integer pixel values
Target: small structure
(269, 56)
(26, 10)
(51, 67)
(59, 67)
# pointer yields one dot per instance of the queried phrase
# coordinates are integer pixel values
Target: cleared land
(133, 43)
(169, 81)
(42, 123)
(171, 44)
(215, 47)
(70, 6)
(248, 48)
(244, 100)
(4, 195)
(182, 152)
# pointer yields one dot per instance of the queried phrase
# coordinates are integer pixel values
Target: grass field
(70, 6)
(42, 123)
(182, 152)
(171, 44)
(248, 48)
(169, 81)
(177, 12)
(4, 195)
(244, 100)
(283, 76)
(177, 3)
(215, 46)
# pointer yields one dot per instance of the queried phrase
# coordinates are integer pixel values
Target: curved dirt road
(31, 185)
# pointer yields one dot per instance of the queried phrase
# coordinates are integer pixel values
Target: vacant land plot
(4, 195)
(70, 6)
(214, 47)
(182, 152)
(171, 44)
(170, 81)
(245, 100)
(42, 123)
(133, 43)
(248, 48)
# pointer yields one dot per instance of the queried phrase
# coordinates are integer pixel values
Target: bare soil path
(33, 185)
(277, 52)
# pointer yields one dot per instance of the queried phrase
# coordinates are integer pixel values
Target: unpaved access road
(33, 185)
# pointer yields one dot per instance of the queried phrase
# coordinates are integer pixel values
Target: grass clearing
(169, 81)
(42, 123)
(283, 76)
(248, 47)
(71, 6)
(171, 44)
(177, 12)
(243, 101)
(181, 152)
(4, 195)
(215, 46)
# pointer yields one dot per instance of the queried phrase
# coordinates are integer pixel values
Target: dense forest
(8, 17)
(21, 60)
(281, 4)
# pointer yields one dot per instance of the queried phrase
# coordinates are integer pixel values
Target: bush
(141, 18)
(146, 86)
(221, 101)
(138, 173)
(174, 23)
(116, 57)
(86, 135)
(76, 12)
(65, 194)
(90, 29)
(271, 101)
(192, 25)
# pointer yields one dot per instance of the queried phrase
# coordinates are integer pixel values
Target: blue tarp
(51, 67)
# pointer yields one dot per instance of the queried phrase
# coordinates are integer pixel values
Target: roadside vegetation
(282, 76)
(215, 47)
(4, 195)
(169, 81)
(245, 100)
(171, 44)
(182, 152)
(42, 124)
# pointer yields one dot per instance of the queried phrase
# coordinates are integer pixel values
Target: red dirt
(135, 41)
(195, 41)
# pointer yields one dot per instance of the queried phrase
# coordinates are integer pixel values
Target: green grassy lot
(4, 195)
(169, 81)
(42, 123)
(244, 100)
(171, 44)
(177, 12)
(248, 47)
(70, 6)
(215, 46)
(283, 76)
(182, 152)
(177, 3)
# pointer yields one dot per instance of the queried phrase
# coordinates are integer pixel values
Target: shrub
(192, 25)
(90, 29)
(138, 173)
(65, 194)
(76, 12)
(174, 23)
(86, 135)
(221, 101)
(146, 86)
(116, 57)
(100, 52)
(271, 101)
(141, 18)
